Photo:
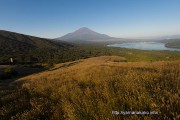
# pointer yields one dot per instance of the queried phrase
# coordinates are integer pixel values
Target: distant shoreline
(146, 46)
(168, 45)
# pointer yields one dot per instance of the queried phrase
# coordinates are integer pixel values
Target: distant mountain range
(84, 34)
(171, 37)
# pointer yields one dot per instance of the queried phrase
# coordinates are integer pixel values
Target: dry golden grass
(90, 89)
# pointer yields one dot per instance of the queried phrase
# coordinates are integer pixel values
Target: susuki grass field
(90, 89)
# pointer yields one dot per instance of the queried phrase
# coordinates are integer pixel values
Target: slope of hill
(93, 88)
(84, 34)
(173, 43)
(22, 46)
(27, 41)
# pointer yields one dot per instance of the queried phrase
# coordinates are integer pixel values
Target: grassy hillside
(173, 43)
(90, 89)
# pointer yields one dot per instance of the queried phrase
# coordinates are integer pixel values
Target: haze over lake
(144, 46)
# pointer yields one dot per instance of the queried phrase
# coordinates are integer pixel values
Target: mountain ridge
(23, 47)
(84, 34)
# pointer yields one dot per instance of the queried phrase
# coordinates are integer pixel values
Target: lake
(144, 46)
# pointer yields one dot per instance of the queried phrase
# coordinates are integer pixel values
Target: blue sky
(117, 18)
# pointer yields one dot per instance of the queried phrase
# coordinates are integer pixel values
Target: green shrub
(50, 65)
(10, 71)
